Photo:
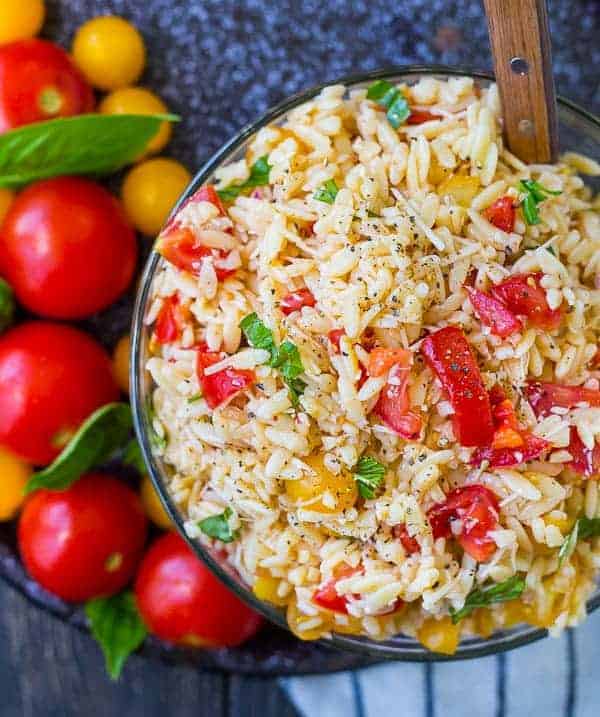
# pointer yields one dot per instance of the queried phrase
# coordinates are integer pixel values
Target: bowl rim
(469, 648)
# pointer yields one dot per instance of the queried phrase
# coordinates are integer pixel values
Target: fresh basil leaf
(327, 192)
(257, 333)
(398, 111)
(259, 177)
(534, 194)
(194, 398)
(132, 456)
(530, 210)
(509, 589)
(92, 144)
(393, 99)
(583, 528)
(7, 305)
(369, 474)
(378, 90)
(588, 527)
(117, 626)
(217, 526)
(106, 430)
(157, 442)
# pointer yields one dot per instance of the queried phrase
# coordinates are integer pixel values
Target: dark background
(220, 64)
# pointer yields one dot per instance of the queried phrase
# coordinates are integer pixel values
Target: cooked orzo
(377, 379)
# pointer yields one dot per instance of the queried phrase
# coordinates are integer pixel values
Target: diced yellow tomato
(437, 174)
(14, 474)
(265, 588)
(295, 621)
(309, 489)
(462, 188)
(439, 635)
(152, 505)
(120, 363)
(484, 623)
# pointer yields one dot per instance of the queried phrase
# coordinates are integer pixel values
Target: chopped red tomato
(477, 509)
(327, 596)
(179, 246)
(420, 116)
(511, 444)
(208, 193)
(543, 396)
(170, 321)
(409, 543)
(585, 461)
(501, 214)
(393, 405)
(449, 356)
(523, 295)
(381, 360)
(334, 336)
(595, 360)
(296, 300)
(493, 313)
(219, 387)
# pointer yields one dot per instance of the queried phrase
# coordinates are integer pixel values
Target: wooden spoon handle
(520, 42)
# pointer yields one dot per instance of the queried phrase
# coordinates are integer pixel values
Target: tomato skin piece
(533, 447)
(180, 247)
(477, 507)
(448, 354)
(67, 248)
(381, 360)
(38, 81)
(493, 313)
(523, 295)
(326, 595)
(585, 462)
(410, 544)
(85, 541)
(52, 377)
(218, 387)
(208, 193)
(334, 336)
(502, 214)
(393, 405)
(420, 116)
(296, 300)
(543, 396)
(182, 602)
(170, 321)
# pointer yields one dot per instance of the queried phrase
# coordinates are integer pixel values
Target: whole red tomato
(181, 601)
(83, 542)
(38, 81)
(51, 378)
(66, 248)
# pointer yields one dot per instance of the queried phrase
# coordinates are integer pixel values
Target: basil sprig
(105, 431)
(217, 526)
(583, 528)
(259, 177)
(285, 358)
(509, 589)
(91, 144)
(7, 305)
(117, 626)
(327, 192)
(534, 194)
(394, 101)
(368, 474)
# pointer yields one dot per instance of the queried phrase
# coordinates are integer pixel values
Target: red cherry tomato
(179, 246)
(66, 248)
(327, 596)
(393, 405)
(296, 300)
(449, 356)
(523, 295)
(410, 544)
(170, 321)
(220, 386)
(38, 81)
(543, 396)
(83, 542)
(477, 509)
(493, 313)
(420, 116)
(52, 377)
(501, 214)
(181, 601)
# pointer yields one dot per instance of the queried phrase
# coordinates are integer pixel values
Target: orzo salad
(377, 379)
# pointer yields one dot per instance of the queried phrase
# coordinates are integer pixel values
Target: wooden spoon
(520, 42)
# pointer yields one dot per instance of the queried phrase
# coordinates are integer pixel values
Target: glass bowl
(579, 130)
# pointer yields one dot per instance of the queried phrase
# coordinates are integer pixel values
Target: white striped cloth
(549, 678)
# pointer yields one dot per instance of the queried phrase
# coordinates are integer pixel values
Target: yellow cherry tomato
(6, 199)
(120, 363)
(152, 505)
(439, 635)
(139, 101)
(265, 588)
(20, 19)
(110, 52)
(150, 191)
(309, 490)
(14, 474)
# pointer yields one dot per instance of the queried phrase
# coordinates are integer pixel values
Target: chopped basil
(327, 192)
(583, 528)
(159, 443)
(509, 589)
(132, 456)
(534, 194)
(217, 526)
(7, 305)
(104, 432)
(259, 177)
(194, 398)
(368, 473)
(117, 626)
(285, 358)
(390, 97)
